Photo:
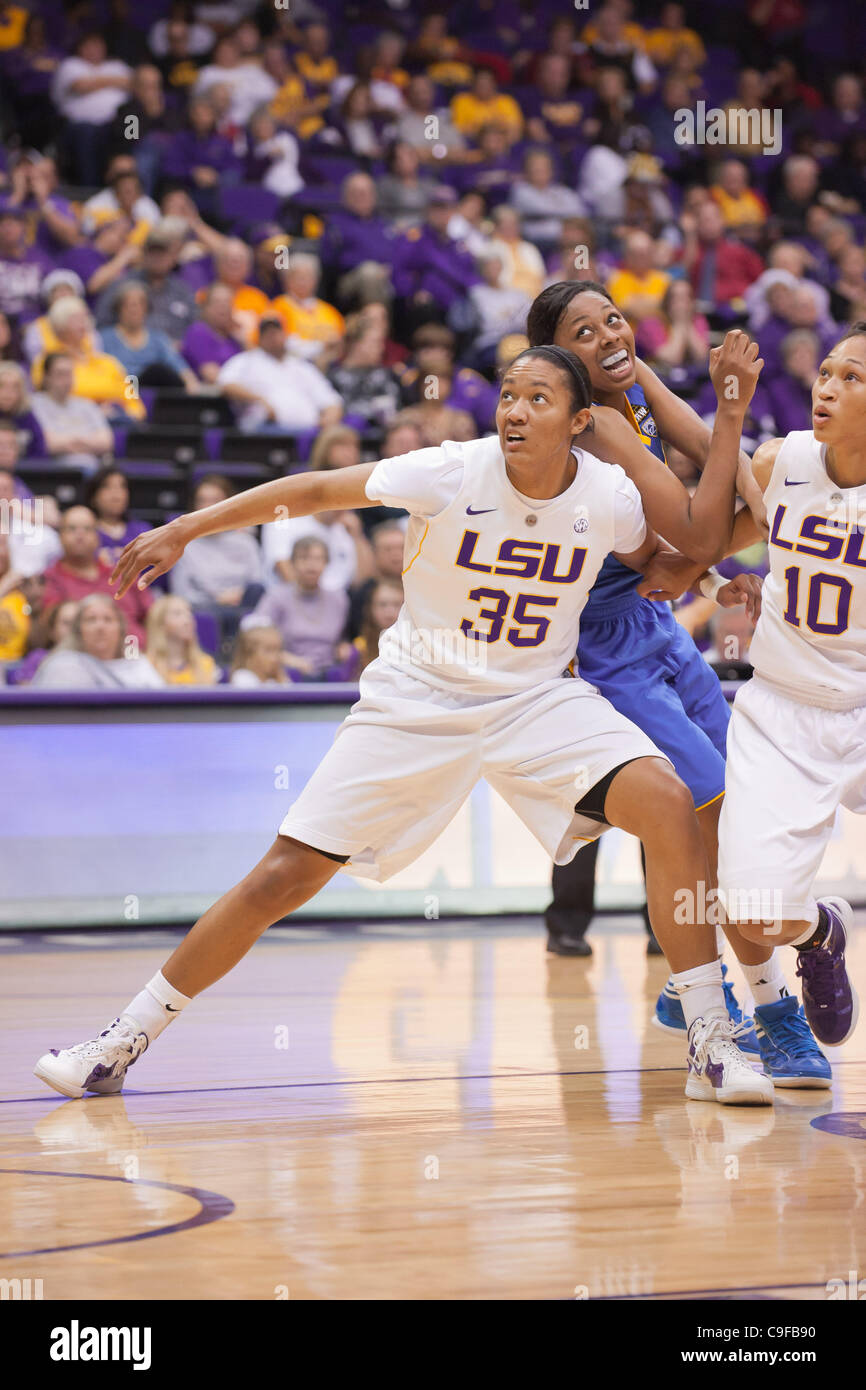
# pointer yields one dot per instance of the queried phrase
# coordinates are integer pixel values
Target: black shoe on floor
(565, 945)
(652, 946)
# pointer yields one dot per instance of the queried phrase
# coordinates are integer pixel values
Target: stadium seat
(179, 408)
(44, 476)
(181, 444)
(207, 630)
(278, 450)
(243, 204)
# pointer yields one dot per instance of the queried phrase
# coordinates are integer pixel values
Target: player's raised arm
(303, 494)
(699, 526)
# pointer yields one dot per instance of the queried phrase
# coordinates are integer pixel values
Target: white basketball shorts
(407, 756)
(790, 766)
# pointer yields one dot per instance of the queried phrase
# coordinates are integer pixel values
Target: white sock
(766, 981)
(700, 991)
(155, 1007)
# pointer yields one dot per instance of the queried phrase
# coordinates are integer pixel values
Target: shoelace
(816, 966)
(709, 1033)
(794, 1036)
(94, 1047)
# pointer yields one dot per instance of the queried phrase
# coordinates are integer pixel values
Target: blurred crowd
(328, 220)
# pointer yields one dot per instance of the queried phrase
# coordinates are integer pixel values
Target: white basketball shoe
(718, 1070)
(99, 1065)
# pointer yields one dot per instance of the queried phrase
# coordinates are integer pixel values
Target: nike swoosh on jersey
(796, 482)
(479, 511)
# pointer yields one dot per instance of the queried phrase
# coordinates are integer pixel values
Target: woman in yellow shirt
(486, 105)
(97, 376)
(172, 644)
(315, 325)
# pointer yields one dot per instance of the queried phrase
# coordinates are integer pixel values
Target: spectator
(790, 391)
(846, 117)
(610, 47)
(142, 351)
(234, 264)
(143, 119)
(87, 91)
(366, 386)
(550, 106)
(48, 632)
(350, 559)
(107, 496)
(720, 270)
(272, 156)
(75, 430)
(22, 268)
(486, 105)
(491, 167)
(388, 542)
(80, 572)
(499, 309)
(32, 549)
(744, 211)
(800, 188)
(339, 446)
(677, 337)
(314, 328)
(95, 655)
(219, 574)
(381, 610)
(53, 220)
(15, 409)
(173, 646)
(123, 195)
(99, 263)
(309, 618)
(172, 302)
(413, 125)
(355, 234)
(436, 380)
(15, 609)
(672, 34)
(258, 658)
(404, 193)
(574, 258)
(272, 387)
(522, 263)
(541, 203)
(848, 294)
(432, 272)
(29, 69)
(249, 85)
(638, 287)
(96, 376)
(356, 129)
(200, 158)
(211, 341)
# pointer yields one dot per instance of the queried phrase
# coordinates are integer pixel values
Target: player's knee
(666, 804)
(287, 877)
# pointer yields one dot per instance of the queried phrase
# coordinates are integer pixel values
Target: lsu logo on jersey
(828, 537)
(820, 602)
(522, 559)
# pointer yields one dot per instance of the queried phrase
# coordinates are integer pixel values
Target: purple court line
(213, 1206)
(701, 1293)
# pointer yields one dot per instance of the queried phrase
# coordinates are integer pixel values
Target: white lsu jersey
(494, 582)
(810, 641)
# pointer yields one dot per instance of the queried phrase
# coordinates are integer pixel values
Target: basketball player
(506, 537)
(635, 652)
(797, 738)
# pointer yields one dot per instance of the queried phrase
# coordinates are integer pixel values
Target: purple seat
(246, 203)
(207, 630)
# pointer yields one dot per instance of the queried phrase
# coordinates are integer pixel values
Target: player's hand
(744, 588)
(154, 551)
(669, 575)
(734, 369)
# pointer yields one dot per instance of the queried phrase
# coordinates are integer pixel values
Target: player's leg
(287, 877)
(396, 774)
(570, 729)
(569, 914)
(786, 779)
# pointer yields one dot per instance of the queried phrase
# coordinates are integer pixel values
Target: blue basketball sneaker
(669, 1014)
(789, 1052)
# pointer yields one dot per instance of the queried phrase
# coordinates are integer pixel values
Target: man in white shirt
(76, 431)
(249, 84)
(275, 388)
(87, 90)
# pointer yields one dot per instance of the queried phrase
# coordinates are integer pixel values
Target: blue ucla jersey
(616, 583)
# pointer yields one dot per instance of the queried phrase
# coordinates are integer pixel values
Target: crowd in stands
(240, 238)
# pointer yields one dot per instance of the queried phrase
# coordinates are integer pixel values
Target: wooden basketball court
(400, 1112)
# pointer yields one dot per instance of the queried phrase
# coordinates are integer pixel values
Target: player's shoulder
(764, 459)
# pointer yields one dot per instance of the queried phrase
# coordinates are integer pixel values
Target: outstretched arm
(699, 526)
(301, 495)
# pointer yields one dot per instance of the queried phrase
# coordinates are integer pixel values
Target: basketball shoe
(99, 1065)
(790, 1055)
(718, 1070)
(669, 1014)
(829, 998)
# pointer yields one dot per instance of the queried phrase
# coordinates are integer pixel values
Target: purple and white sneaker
(99, 1065)
(718, 1070)
(829, 999)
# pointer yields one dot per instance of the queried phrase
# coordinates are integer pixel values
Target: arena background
(542, 134)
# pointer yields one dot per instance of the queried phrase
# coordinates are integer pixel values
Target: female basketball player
(635, 652)
(797, 741)
(506, 537)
